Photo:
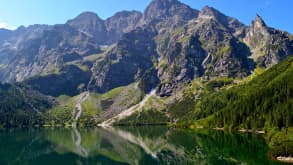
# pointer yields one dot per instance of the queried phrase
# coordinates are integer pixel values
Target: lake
(130, 145)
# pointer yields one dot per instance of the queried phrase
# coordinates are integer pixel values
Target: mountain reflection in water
(130, 145)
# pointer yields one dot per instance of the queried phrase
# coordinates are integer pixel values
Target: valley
(169, 65)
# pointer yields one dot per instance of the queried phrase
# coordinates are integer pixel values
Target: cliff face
(127, 62)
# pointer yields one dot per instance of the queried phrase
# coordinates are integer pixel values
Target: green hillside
(20, 106)
(266, 101)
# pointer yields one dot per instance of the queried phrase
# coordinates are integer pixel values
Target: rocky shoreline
(285, 159)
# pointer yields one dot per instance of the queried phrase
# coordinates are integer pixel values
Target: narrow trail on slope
(128, 112)
(77, 111)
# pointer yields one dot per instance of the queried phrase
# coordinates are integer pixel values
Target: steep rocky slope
(127, 62)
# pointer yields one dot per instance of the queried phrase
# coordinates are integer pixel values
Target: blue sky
(13, 13)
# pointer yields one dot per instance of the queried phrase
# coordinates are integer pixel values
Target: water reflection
(76, 138)
(130, 145)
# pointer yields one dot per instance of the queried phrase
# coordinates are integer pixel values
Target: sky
(13, 13)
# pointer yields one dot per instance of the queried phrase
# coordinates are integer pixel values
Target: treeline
(21, 107)
(264, 102)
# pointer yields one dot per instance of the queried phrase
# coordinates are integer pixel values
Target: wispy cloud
(3, 25)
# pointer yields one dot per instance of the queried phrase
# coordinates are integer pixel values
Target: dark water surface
(130, 145)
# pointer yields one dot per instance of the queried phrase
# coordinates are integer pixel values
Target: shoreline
(279, 158)
(285, 159)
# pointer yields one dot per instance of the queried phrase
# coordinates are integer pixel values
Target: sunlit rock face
(268, 46)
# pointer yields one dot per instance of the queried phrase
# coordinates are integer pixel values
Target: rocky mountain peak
(85, 18)
(163, 3)
(232, 24)
(258, 22)
(87, 15)
(162, 9)
(90, 24)
(211, 13)
(268, 45)
(159, 7)
(258, 28)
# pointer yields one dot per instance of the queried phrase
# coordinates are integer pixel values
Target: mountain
(45, 54)
(127, 62)
(42, 49)
(170, 48)
(167, 12)
(178, 42)
(21, 34)
(268, 46)
(91, 25)
(203, 42)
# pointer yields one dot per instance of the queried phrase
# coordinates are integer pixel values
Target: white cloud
(3, 25)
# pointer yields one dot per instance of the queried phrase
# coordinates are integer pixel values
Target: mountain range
(155, 63)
